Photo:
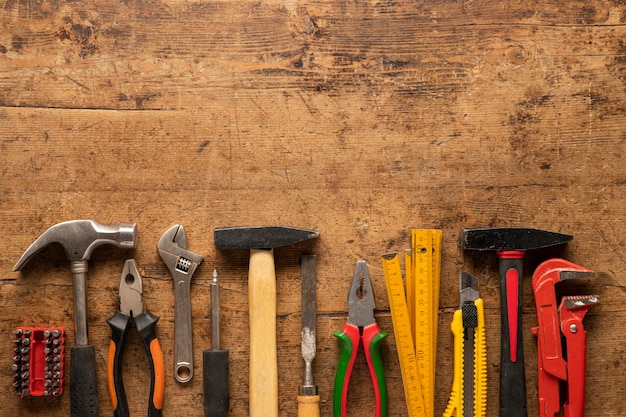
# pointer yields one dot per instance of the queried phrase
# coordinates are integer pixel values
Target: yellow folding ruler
(416, 331)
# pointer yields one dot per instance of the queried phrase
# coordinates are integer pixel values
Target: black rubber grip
(83, 382)
(120, 324)
(512, 378)
(215, 380)
(145, 324)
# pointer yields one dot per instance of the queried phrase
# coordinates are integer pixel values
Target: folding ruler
(415, 317)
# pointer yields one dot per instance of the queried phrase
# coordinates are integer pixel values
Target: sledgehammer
(510, 245)
(80, 238)
(261, 241)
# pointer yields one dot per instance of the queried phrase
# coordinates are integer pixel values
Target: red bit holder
(38, 361)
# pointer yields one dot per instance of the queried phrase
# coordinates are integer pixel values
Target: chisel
(215, 363)
(308, 400)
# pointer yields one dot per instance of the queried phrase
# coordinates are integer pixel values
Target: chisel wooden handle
(263, 360)
(309, 406)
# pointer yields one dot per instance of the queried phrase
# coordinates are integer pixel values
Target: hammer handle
(83, 382)
(263, 388)
(512, 378)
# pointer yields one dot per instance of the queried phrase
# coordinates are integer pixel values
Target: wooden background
(360, 119)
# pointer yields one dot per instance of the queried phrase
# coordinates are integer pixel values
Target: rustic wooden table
(360, 119)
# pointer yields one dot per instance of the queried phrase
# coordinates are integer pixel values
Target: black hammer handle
(512, 379)
(83, 382)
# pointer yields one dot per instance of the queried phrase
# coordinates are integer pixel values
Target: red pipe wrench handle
(512, 377)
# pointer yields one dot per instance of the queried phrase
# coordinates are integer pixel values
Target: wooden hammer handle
(262, 315)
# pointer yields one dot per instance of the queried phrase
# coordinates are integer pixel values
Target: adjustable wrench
(182, 264)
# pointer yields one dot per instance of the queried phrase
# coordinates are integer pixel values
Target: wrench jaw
(172, 249)
(561, 368)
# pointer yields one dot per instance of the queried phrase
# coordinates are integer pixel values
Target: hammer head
(80, 238)
(260, 237)
(510, 239)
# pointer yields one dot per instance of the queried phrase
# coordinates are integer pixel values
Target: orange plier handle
(145, 324)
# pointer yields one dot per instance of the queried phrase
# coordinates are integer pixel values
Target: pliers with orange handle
(131, 309)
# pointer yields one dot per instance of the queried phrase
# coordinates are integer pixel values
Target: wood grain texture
(360, 119)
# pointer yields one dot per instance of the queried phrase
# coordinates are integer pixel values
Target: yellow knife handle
(480, 363)
(455, 403)
(308, 406)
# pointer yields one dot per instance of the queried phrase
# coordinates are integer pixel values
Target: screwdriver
(215, 363)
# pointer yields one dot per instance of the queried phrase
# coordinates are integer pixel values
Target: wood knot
(516, 55)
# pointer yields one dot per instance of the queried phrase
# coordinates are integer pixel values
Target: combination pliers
(131, 309)
(361, 326)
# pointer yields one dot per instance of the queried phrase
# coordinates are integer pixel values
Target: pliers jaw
(131, 289)
(561, 366)
(173, 250)
(361, 302)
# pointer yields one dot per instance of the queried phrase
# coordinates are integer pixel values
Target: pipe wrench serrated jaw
(561, 366)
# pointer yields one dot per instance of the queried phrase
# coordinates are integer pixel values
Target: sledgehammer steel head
(260, 237)
(80, 238)
(510, 239)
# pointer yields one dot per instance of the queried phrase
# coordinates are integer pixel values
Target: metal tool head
(361, 302)
(260, 237)
(468, 288)
(80, 238)
(131, 289)
(580, 302)
(510, 239)
(556, 270)
(173, 250)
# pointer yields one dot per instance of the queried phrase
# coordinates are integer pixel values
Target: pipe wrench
(561, 368)
(469, 386)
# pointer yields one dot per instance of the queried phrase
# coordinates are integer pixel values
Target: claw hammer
(80, 238)
(262, 305)
(510, 244)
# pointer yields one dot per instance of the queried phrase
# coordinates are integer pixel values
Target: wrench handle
(263, 357)
(512, 377)
(83, 382)
(183, 348)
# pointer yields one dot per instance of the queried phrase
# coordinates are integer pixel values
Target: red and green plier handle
(349, 339)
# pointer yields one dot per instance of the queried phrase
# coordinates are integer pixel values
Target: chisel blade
(308, 332)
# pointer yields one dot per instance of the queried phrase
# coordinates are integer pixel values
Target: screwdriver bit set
(38, 361)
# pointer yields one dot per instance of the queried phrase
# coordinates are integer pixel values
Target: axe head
(510, 239)
(260, 237)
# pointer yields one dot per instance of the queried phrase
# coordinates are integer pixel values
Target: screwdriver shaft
(215, 312)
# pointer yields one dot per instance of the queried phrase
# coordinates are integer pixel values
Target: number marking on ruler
(404, 339)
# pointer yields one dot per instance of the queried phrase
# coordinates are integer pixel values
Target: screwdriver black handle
(83, 382)
(215, 381)
(512, 377)
(145, 324)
